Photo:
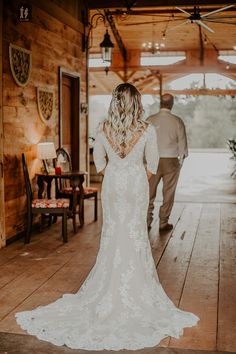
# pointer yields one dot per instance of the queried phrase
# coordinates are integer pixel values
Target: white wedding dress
(121, 305)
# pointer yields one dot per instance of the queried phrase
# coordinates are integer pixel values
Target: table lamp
(46, 151)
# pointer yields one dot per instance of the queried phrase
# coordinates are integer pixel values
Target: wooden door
(2, 205)
(70, 115)
(66, 113)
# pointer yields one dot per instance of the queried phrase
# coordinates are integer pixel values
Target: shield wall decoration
(45, 100)
(20, 62)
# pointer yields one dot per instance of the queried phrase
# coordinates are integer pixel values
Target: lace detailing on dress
(125, 149)
(143, 146)
(121, 305)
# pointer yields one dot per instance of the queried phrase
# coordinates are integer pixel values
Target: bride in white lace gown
(122, 304)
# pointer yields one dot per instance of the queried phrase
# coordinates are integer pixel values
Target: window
(228, 56)
(95, 61)
(163, 58)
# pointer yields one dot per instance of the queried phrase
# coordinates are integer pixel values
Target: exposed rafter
(109, 4)
(199, 48)
(160, 11)
(180, 69)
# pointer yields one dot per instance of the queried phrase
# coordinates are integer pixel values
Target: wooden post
(2, 206)
(87, 119)
(201, 58)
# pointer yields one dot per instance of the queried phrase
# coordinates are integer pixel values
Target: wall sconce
(106, 45)
(46, 151)
(84, 108)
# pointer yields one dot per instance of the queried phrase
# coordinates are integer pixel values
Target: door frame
(2, 203)
(76, 77)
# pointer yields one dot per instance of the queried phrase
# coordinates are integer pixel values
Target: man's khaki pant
(168, 170)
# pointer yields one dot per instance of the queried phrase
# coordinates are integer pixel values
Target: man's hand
(181, 160)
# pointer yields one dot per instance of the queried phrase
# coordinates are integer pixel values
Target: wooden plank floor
(196, 266)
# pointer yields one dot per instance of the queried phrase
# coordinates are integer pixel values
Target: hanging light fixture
(107, 47)
(154, 47)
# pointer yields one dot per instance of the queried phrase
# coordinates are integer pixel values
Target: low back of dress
(125, 187)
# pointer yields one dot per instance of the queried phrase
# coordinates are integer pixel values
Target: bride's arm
(99, 155)
(151, 152)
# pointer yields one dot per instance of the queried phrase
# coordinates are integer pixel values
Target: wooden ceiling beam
(205, 92)
(120, 76)
(193, 63)
(126, 78)
(130, 75)
(143, 80)
(151, 84)
(147, 90)
(145, 84)
(180, 69)
(161, 11)
(230, 76)
(109, 4)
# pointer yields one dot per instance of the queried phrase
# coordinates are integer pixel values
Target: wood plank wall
(73, 7)
(2, 209)
(53, 44)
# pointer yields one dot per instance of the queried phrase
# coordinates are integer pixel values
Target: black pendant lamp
(106, 47)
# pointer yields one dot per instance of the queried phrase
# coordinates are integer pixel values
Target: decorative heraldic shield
(20, 62)
(45, 100)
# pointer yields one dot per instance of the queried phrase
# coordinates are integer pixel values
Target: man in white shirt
(173, 148)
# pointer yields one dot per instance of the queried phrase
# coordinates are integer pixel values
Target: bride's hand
(102, 172)
(149, 175)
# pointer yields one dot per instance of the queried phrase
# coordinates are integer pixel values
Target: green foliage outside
(209, 120)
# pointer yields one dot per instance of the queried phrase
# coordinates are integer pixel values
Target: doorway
(69, 113)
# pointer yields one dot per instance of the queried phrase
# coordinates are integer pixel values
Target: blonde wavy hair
(125, 115)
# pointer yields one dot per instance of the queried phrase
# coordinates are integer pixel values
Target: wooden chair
(43, 206)
(65, 191)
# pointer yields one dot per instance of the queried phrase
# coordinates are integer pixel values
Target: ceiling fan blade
(173, 28)
(219, 17)
(182, 10)
(200, 23)
(216, 11)
(219, 21)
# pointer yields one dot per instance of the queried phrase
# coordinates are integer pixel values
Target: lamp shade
(46, 151)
